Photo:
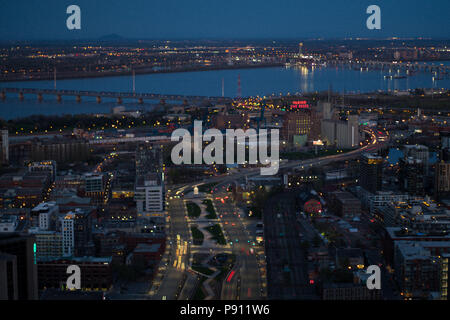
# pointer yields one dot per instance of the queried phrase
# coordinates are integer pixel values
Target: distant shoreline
(145, 70)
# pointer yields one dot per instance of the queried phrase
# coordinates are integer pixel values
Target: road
(179, 252)
(248, 277)
(247, 268)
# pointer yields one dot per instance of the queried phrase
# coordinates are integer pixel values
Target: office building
(148, 159)
(4, 147)
(349, 291)
(422, 217)
(304, 122)
(82, 224)
(96, 272)
(417, 152)
(371, 172)
(45, 214)
(149, 195)
(24, 249)
(93, 183)
(443, 276)
(9, 286)
(442, 180)
(49, 244)
(68, 238)
(48, 166)
(412, 176)
(416, 270)
(345, 204)
(95, 187)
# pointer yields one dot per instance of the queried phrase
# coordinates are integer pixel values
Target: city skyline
(199, 19)
(287, 152)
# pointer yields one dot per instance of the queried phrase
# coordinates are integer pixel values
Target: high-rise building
(9, 289)
(442, 180)
(24, 249)
(83, 245)
(370, 172)
(148, 159)
(444, 278)
(412, 176)
(417, 152)
(149, 195)
(68, 238)
(4, 147)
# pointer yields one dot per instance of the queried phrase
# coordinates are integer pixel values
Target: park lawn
(210, 209)
(197, 236)
(216, 232)
(193, 210)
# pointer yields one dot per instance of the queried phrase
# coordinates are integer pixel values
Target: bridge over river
(119, 96)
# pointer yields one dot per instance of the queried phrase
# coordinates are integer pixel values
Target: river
(255, 81)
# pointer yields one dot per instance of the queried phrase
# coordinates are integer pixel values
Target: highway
(246, 282)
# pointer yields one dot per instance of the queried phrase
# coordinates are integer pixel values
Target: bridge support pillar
(78, 98)
(58, 98)
(39, 97)
(99, 99)
(21, 96)
(141, 101)
(119, 100)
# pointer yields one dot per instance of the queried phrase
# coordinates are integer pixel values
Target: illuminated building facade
(371, 172)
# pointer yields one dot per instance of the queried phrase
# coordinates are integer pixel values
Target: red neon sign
(301, 104)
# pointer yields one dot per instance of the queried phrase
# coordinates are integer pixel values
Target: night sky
(222, 19)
